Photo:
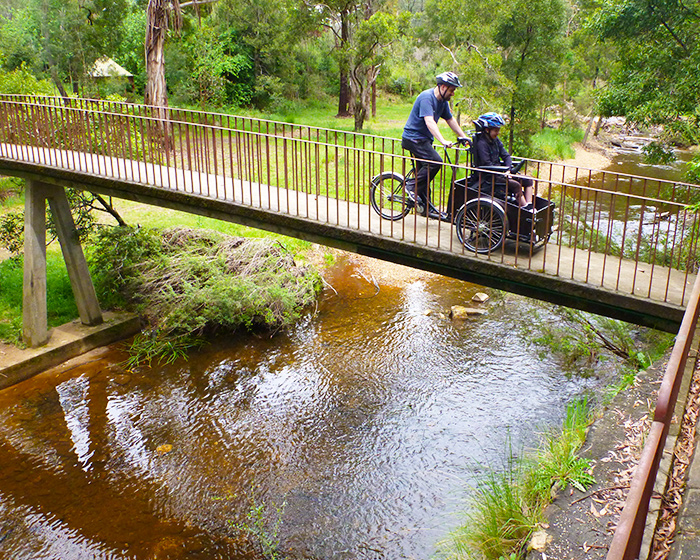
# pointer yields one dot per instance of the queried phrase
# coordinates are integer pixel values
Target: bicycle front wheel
(388, 196)
(482, 225)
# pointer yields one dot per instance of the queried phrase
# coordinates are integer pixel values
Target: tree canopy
(656, 79)
(636, 58)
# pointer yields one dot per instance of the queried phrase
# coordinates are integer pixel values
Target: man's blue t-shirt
(426, 104)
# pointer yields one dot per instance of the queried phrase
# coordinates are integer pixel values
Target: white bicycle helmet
(449, 79)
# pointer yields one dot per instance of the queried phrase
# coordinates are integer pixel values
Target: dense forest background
(536, 61)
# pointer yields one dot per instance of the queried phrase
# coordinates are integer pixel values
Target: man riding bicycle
(418, 135)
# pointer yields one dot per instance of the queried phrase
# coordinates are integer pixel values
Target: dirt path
(592, 158)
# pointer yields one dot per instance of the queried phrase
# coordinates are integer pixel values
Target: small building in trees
(108, 77)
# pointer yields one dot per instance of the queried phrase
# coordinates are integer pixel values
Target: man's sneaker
(417, 202)
(434, 214)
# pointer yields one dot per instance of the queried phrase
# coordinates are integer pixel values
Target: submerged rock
(461, 312)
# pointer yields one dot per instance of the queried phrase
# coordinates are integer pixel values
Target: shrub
(22, 81)
(192, 283)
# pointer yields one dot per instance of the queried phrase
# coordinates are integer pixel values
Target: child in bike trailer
(418, 135)
(489, 151)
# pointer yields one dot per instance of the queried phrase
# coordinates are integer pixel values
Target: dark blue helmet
(448, 78)
(489, 120)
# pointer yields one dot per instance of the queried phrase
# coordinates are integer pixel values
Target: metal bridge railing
(324, 175)
(627, 540)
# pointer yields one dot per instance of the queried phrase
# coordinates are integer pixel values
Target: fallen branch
(600, 491)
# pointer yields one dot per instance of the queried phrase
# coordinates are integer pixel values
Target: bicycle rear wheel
(388, 195)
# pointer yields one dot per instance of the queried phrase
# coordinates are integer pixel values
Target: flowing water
(362, 431)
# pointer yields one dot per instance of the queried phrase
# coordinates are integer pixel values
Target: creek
(362, 431)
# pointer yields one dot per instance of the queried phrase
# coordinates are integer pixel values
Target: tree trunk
(59, 86)
(374, 99)
(511, 133)
(156, 25)
(344, 93)
(362, 80)
(543, 114)
(158, 15)
(591, 118)
(563, 106)
(598, 125)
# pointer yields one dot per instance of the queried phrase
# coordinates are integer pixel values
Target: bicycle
(391, 200)
(482, 210)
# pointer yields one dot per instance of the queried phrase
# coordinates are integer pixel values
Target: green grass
(551, 144)
(508, 504)
(392, 113)
(59, 300)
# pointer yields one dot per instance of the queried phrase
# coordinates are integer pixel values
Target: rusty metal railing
(620, 232)
(627, 540)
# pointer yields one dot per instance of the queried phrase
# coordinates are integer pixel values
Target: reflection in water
(632, 162)
(370, 420)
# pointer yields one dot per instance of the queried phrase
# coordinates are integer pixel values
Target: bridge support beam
(34, 322)
(34, 313)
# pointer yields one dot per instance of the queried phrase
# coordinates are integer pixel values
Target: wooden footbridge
(623, 246)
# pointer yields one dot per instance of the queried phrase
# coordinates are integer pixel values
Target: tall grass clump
(508, 504)
(557, 464)
(553, 144)
(499, 522)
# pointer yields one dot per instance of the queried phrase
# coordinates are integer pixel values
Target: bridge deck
(633, 291)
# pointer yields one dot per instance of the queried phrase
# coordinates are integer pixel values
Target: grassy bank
(60, 300)
(508, 503)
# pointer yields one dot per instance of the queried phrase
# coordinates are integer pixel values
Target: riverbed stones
(461, 312)
(480, 297)
(539, 541)
(122, 379)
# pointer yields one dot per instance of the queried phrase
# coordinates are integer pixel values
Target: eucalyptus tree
(338, 16)
(344, 18)
(270, 34)
(533, 42)
(657, 77)
(458, 35)
(366, 55)
(162, 17)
